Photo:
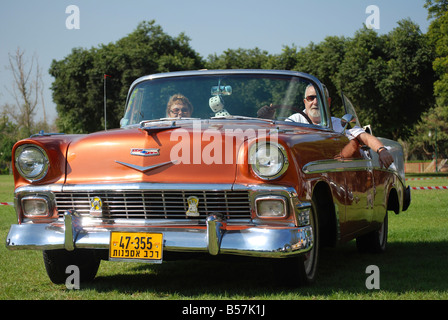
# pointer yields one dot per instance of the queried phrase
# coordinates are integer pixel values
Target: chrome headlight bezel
(258, 156)
(37, 158)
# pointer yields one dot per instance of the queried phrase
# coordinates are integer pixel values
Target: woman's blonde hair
(176, 98)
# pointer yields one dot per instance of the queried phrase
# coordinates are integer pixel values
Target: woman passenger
(179, 107)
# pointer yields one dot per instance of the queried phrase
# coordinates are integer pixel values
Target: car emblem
(145, 152)
(192, 207)
(96, 206)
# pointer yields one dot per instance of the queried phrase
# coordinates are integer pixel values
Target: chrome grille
(157, 204)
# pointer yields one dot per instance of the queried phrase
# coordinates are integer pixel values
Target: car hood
(190, 152)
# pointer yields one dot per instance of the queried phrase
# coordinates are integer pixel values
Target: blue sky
(39, 27)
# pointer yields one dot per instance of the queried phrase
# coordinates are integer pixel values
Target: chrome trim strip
(146, 186)
(335, 165)
(152, 186)
(49, 190)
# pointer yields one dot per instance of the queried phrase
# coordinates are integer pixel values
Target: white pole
(105, 107)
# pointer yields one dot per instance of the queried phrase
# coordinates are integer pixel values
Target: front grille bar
(152, 204)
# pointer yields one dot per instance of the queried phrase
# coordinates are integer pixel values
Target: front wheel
(57, 261)
(375, 241)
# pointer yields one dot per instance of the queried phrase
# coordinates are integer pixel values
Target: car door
(360, 184)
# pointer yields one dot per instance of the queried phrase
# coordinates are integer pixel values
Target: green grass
(414, 267)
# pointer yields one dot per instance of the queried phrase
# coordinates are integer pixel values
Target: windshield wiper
(232, 117)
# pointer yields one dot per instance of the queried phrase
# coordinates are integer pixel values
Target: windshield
(275, 97)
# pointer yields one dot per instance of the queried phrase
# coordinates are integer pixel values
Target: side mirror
(348, 121)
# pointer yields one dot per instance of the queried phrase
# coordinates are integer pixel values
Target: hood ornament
(145, 169)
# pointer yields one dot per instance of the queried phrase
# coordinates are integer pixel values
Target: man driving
(312, 110)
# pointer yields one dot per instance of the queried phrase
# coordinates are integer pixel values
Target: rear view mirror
(221, 90)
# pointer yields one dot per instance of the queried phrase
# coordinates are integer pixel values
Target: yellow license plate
(136, 246)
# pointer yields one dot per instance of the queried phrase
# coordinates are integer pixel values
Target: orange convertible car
(221, 162)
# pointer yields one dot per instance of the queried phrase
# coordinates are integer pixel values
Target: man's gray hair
(327, 95)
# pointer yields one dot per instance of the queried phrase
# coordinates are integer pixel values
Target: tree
(407, 88)
(78, 85)
(389, 78)
(430, 131)
(438, 37)
(8, 133)
(286, 60)
(436, 118)
(239, 59)
(26, 91)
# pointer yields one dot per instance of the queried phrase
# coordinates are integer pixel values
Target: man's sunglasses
(310, 98)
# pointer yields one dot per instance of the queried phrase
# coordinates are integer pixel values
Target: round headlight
(268, 160)
(31, 162)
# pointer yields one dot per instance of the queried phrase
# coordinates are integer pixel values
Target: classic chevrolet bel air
(196, 168)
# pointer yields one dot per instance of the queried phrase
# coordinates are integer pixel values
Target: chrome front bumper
(214, 237)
